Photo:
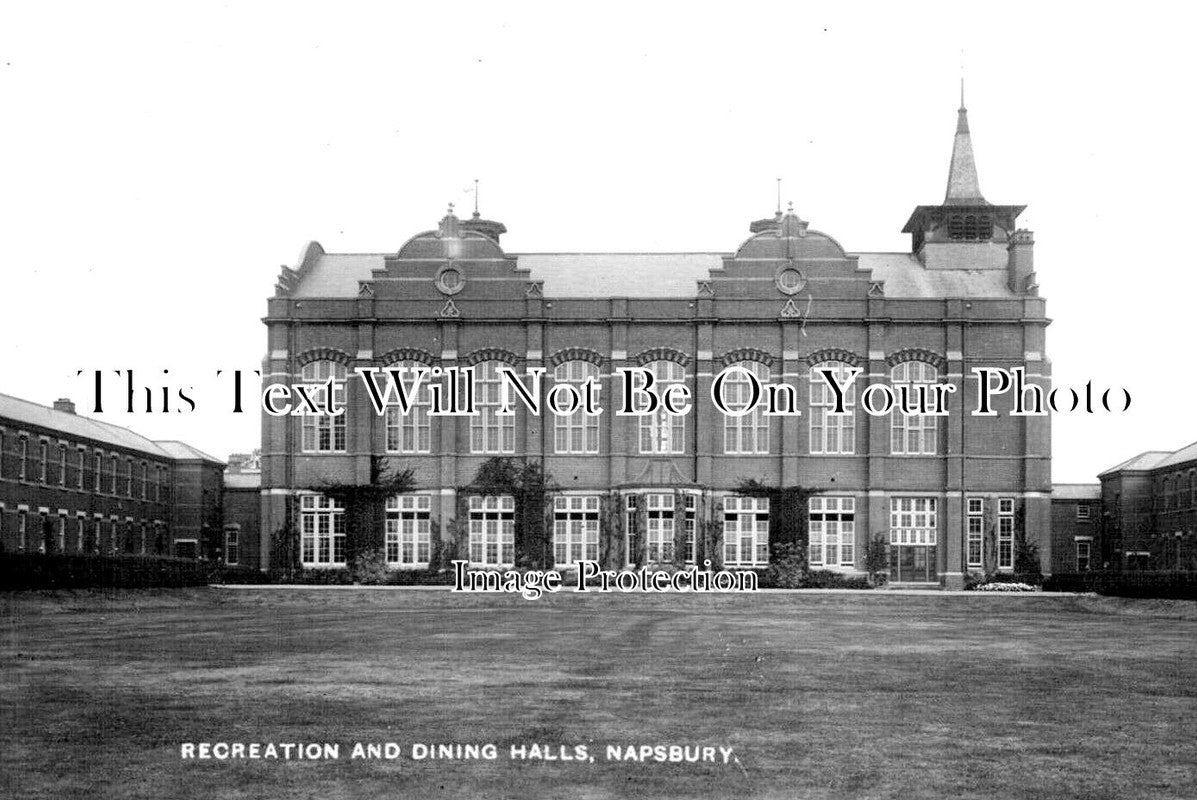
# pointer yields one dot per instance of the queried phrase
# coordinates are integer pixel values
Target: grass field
(820, 695)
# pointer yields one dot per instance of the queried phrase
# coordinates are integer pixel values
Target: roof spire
(963, 186)
(476, 214)
(779, 197)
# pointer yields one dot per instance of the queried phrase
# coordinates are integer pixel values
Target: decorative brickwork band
(917, 354)
(409, 354)
(662, 354)
(323, 354)
(833, 354)
(490, 354)
(575, 354)
(747, 354)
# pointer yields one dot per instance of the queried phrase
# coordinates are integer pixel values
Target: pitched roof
(1182, 455)
(598, 275)
(1076, 491)
(1145, 460)
(185, 452)
(77, 426)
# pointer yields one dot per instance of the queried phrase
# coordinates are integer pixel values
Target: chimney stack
(64, 404)
(1021, 263)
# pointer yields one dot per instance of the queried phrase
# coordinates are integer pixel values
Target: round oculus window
(789, 280)
(450, 280)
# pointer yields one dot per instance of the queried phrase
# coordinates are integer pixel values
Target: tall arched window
(577, 432)
(914, 434)
(831, 433)
(411, 432)
(324, 433)
(489, 431)
(662, 432)
(749, 433)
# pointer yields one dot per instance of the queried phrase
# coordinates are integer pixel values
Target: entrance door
(912, 563)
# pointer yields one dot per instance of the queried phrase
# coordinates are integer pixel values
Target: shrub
(73, 571)
(369, 567)
(787, 568)
(826, 579)
(1004, 587)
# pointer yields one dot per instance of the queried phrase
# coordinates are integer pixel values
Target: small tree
(876, 557)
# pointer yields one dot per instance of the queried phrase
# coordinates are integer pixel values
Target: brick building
(243, 510)
(637, 490)
(1076, 527)
(1149, 511)
(74, 484)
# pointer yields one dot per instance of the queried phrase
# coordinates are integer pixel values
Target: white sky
(158, 163)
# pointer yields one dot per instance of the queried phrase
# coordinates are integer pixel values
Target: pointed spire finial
(962, 94)
(963, 185)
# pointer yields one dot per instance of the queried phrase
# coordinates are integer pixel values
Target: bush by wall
(1167, 585)
(66, 571)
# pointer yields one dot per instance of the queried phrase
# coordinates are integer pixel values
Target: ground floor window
(80, 534)
(913, 539)
(660, 527)
(1005, 537)
(186, 548)
(232, 544)
(408, 534)
(575, 529)
(832, 531)
(22, 530)
(1082, 556)
(746, 531)
(492, 530)
(976, 531)
(688, 526)
(322, 530)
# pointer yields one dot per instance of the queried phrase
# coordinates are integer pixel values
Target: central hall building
(950, 494)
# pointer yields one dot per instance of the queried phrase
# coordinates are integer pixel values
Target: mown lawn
(826, 695)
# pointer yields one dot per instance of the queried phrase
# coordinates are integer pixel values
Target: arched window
(914, 434)
(411, 432)
(324, 433)
(490, 432)
(831, 433)
(662, 432)
(749, 433)
(577, 432)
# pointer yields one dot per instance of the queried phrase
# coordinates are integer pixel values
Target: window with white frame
(831, 433)
(43, 461)
(976, 531)
(141, 540)
(145, 481)
(490, 432)
(97, 528)
(23, 457)
(1005, 536)
(632, 526)
(232, 543)
(411, 432)
(832, 531)
(492, 530)
(112, 474)
(575, 529)
(750, 432)
(660, 527)
(62, 461)
(22, 530)
(1082, 512)
(408, 530)
(321, 531)
(914, 434)
(746, 531)
(324, 433)
(98, 466)
(80, 533)
(129, 477)
(576, 432)
(62, 526)
(912, 520)
(82, 464)
(662, 432)
(1082, 556)
(689, 521)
